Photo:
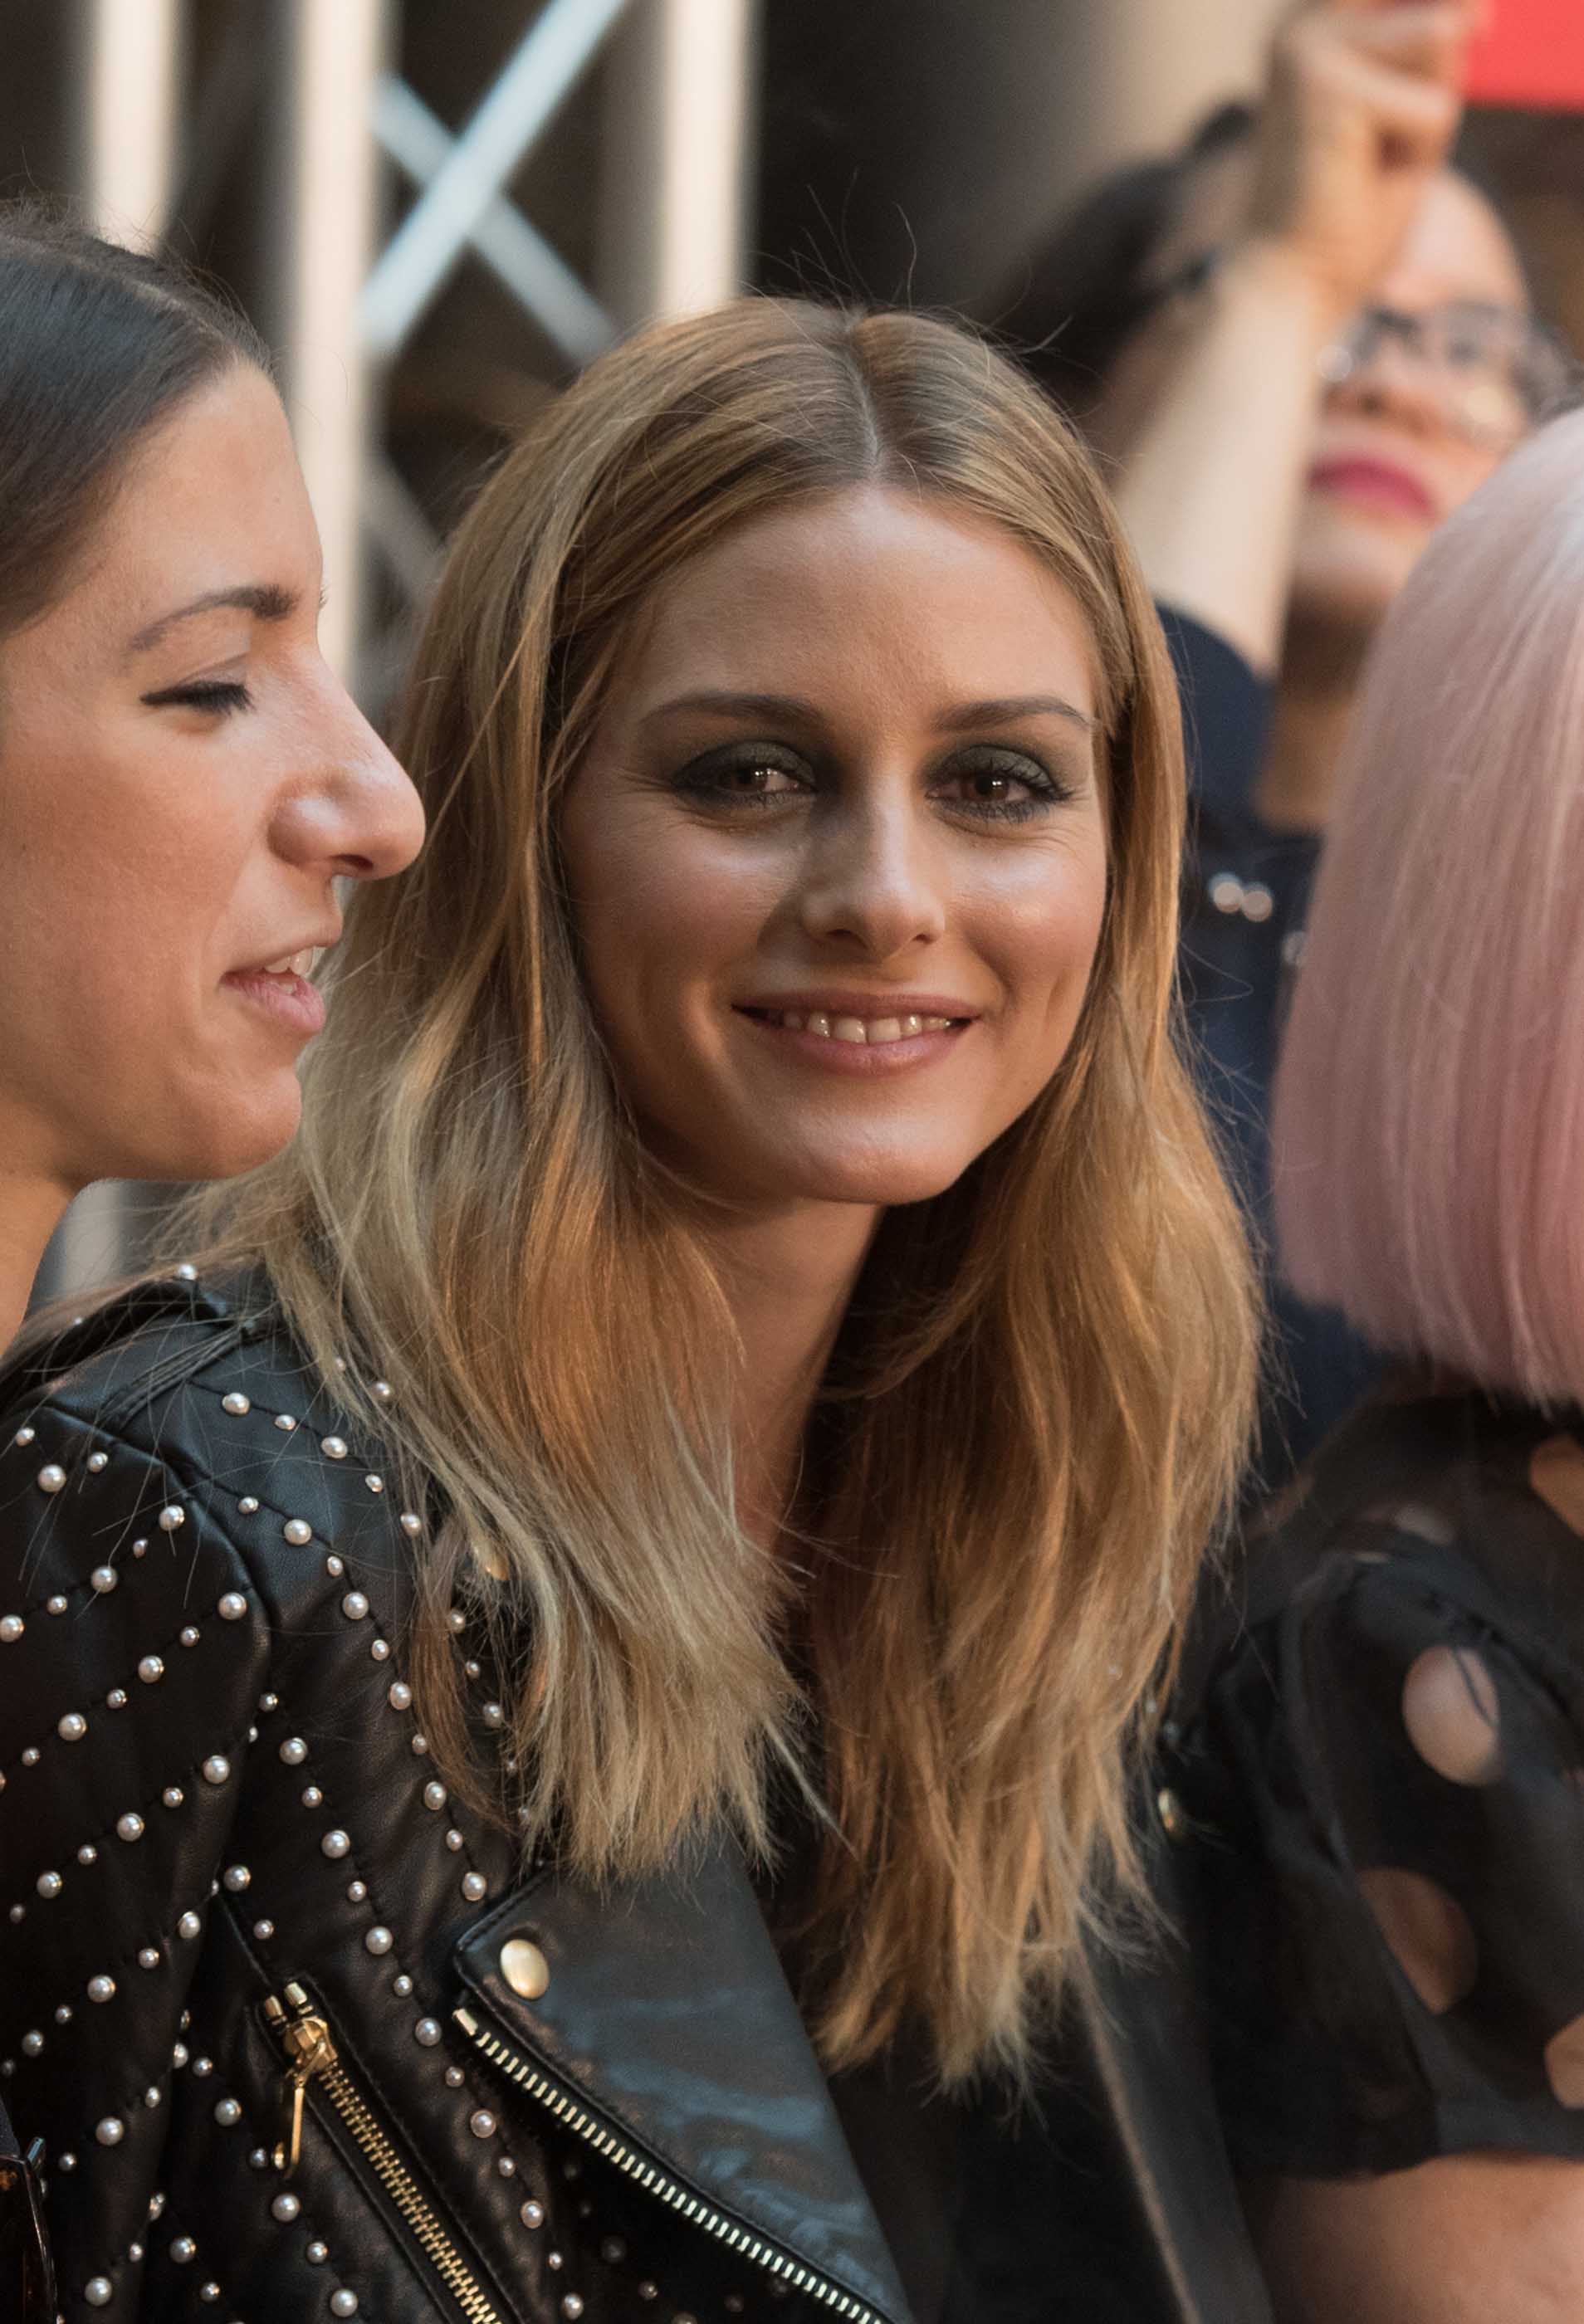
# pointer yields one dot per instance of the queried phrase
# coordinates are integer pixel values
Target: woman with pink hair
(1382, 1783)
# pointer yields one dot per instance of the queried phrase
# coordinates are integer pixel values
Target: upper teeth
(296, 964)
(858, 1028)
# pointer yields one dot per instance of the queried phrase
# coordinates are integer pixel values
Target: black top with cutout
(1384, 1792)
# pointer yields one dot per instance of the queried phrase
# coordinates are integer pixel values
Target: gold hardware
(311, 2055)
(306, 2040)
(525, 1967)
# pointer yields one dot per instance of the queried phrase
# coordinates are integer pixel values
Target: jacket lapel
(666, 2014)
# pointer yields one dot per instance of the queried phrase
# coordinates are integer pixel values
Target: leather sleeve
(133, 1648)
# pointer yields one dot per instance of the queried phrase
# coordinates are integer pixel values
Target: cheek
(1468, 466)
(659, 910)
(120, 877)
(1350, 563)
(1042, 928)
(77, 896)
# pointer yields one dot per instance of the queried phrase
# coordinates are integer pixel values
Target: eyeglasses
(1498, 373)
(27, 2278)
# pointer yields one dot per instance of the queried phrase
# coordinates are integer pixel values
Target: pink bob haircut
(1428, 1135)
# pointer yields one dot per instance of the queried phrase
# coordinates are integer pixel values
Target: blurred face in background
(1417, 411)
(1407, 433)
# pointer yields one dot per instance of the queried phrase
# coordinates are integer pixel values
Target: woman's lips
(1374, 485)
(290, 1000)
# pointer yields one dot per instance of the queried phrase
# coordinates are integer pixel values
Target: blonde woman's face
(837, 853)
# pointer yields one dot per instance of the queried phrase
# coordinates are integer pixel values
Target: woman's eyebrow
(1003, 711)
(1000, 712)
(724, 703)
(267, 600)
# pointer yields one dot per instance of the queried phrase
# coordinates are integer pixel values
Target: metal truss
(462, 178)
(461, 205)
(688, 62)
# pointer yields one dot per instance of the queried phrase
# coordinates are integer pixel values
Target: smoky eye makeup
(986, 783)
(998, 784)
(746, 774)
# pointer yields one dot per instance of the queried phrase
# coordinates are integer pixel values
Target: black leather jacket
(245, 1921)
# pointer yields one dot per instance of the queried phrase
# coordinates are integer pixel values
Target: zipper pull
(305, 2037)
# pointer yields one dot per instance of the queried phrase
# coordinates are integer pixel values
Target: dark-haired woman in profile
(603, 1648)
(181, 777)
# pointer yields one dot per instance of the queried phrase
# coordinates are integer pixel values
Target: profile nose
(385, 815)
(872, 882)
(362, 819)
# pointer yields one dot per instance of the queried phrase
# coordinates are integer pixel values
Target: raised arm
(1360, 110)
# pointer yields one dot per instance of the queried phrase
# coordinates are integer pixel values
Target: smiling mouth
(860, 1032)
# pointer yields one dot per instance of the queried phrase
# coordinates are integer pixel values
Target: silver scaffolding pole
(132, 60)
(338, 53)
(680, 133)
(131, 54)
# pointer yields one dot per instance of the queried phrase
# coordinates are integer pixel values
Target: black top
(1386, 1788)
(1245, 898)
(1100, 2192)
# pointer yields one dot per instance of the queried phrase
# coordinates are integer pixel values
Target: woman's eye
(218, 696)
(745, 777)
(1000, 786)
(755, 782)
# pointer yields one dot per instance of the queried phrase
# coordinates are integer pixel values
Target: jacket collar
(666, 2019)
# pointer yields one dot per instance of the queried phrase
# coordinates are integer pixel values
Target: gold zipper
(304, 2035)
(574, 2116)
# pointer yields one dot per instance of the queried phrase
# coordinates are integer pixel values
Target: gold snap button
(1169, 1808)
(525, 1967)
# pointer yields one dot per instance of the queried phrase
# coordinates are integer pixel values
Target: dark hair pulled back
(1075, 304)
(98, 344)
(1080, 298)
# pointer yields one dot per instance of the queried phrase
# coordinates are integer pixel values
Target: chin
(225, 1141)
(1349, 570)
(876, 1181)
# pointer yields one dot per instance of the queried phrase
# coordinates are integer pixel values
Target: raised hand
(1361, 110)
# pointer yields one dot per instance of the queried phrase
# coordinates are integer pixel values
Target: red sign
(1533, 55)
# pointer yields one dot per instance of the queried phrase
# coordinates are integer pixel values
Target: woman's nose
(873, 881)
(363, 819)
(1393, 384)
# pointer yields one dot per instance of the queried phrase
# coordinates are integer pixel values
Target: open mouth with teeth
(870, 1032)
(284, 991)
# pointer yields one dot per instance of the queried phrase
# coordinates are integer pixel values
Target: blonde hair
(1037, 1408)
(1429, 1123)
